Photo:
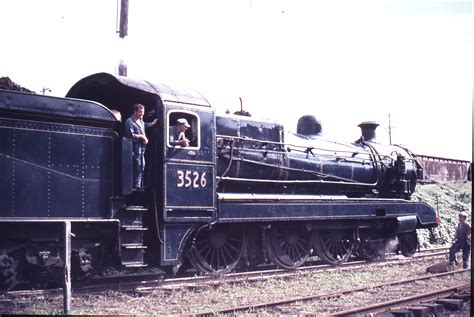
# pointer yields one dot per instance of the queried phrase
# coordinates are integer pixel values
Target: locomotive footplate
(254, 207)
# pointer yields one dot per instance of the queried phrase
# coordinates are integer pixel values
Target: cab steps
(132, 234)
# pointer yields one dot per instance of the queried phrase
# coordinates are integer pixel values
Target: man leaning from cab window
(178, 134)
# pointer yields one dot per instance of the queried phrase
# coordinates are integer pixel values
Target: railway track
(419, 299)
(146, 283)
(200, 295)
(447, 298)
(201, 281)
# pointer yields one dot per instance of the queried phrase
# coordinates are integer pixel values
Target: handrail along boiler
(244, 192)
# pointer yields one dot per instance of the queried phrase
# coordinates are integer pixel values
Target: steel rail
(177, 283)
(323, 295)
(397, 303)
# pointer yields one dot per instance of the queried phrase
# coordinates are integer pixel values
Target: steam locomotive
(243, 193)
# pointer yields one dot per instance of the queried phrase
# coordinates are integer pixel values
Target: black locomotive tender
(242, 194)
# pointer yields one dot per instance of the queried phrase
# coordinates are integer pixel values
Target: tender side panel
(7, 172)
(54, 170)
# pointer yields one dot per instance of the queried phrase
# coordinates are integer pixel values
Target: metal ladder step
(132, 234)
(133, 253)
(135, 208)
(131, 215)
(133, 228)
(134, 264)
(134, 246)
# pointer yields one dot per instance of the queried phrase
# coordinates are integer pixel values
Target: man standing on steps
(135, 130)
(462, 241)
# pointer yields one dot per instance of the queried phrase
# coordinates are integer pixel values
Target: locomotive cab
(179, 181)
(171, 171)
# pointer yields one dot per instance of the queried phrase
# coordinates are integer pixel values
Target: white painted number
(203, 180)
(180, 178)
(195, 179)
(189, 178)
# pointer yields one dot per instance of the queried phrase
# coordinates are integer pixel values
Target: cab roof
(112, 89)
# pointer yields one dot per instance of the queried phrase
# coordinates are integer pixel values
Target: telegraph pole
(123, 25)
(123, 32)
(389, 130)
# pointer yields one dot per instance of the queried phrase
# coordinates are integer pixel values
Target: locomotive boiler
(256, 156)
(243, 193)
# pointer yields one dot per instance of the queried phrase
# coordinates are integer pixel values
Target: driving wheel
(288, 245)
(217, 249)
(334, 246)
(408, 243)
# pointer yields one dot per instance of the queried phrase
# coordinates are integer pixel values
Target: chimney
(122, 68)
(368, 130)
(308, 125)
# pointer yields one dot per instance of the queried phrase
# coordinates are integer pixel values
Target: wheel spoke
(236, 240)
(207, 250)
(291, 253)
(218, 259)
(303, 244)
(229, 254)
(231, 246)
(212, 261)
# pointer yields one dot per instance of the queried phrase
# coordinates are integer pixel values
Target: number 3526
(188, 179)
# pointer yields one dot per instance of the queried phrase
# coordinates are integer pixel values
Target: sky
(342, 61)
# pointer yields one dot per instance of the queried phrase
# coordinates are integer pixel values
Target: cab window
(183, 130)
